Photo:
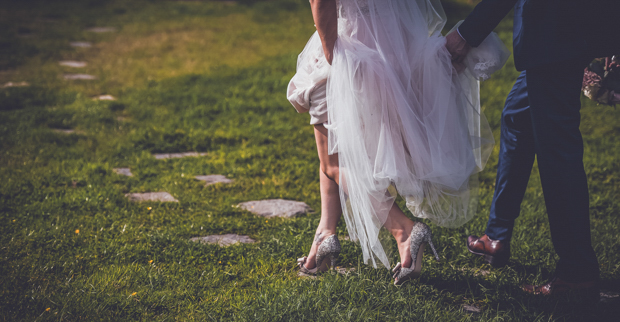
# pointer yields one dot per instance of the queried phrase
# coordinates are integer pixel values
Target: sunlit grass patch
(152, 41)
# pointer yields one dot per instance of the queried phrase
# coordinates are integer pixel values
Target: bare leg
(400, 227)
(330, 198)
(397, 224)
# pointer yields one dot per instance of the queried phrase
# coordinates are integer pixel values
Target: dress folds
(400, 117)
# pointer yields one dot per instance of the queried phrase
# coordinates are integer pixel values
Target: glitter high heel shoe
(420, 236)
(328, 249)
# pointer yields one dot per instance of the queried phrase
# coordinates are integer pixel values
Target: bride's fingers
(396, 268)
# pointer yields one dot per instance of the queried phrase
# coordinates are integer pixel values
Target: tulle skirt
(400, 117)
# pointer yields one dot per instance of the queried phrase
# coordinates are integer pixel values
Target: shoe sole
(495, 261)
(417, 271)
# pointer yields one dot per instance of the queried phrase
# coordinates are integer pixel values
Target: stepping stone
(105, 98)
(471, 308)
(213, 179)
(609, 297)
(79, 77)
(276, 208)
(81, 44)
(72, 63)
(67, 131)
(123, 171)
(160, 156)
(151, 196)
(101, 29)
(16, 84)
(122, 118)
(224, 240)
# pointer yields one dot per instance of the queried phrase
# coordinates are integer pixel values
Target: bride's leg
(330, 198)
(400, 227)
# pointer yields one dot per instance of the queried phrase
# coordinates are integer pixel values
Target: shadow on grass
(501, 295)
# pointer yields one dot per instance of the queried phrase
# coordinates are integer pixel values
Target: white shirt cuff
(457, 30)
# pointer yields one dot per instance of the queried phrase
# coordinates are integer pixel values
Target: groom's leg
(554, 93)
(516, 157)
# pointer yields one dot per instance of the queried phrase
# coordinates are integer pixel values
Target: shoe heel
(329, 249)
(496, 261)
(430, 243)
(329, 260)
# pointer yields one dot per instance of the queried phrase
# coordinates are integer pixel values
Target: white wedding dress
(398, 115)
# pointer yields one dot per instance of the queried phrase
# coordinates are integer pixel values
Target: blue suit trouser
(541, 119)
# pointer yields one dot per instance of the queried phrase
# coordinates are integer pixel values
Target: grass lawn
(210, 76)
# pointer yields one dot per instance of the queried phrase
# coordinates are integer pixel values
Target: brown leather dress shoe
(495, 252)
(557, 286)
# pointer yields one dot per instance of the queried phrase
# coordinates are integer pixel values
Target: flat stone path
(123, 171)
(223, 240)
(67, 131)
(151, 196)
(72, 63)
(161, 156)
(105, 98)
(276, 208)
(101, 29)
(15, 84)
(79, 77)
(608, 297)
(213, 179)
(471, 308)
(81, 44)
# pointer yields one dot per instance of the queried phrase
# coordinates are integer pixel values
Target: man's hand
(458, 48)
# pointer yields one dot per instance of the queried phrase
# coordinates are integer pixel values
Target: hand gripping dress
(400, 117)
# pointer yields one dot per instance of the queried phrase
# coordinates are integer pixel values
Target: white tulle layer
(398, 116)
